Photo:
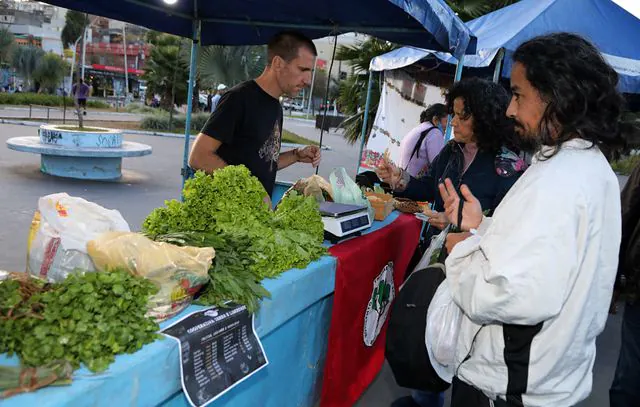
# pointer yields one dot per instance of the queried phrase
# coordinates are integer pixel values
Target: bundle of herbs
(228, 212)
(86, 319)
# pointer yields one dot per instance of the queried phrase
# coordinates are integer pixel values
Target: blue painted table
(294, 328)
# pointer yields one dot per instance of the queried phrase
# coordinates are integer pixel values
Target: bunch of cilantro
(229, 210)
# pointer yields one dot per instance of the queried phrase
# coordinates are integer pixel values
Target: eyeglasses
(461, 117)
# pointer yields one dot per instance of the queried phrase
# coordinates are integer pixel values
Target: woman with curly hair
(479, 156)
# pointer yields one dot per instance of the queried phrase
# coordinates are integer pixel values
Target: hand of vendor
(389, 173)
(471, 208)
(309, 154)
(454, 238)
(436, 219)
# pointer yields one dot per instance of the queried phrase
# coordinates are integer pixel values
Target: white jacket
(535, 283)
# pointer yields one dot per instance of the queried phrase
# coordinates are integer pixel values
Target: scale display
(342, 221)
(355, 223)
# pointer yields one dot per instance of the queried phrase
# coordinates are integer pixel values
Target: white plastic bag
(443, 327)
(60, 230)
(346, 191)
(437, 242)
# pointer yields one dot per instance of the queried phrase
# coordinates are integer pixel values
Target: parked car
(291, 105)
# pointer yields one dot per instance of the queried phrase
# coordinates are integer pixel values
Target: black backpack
(405, 349)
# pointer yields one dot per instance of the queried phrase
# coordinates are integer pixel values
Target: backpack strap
(416, 148)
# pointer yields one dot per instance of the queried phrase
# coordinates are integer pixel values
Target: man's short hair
(287, 44)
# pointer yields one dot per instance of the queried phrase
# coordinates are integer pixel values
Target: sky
(632, 6)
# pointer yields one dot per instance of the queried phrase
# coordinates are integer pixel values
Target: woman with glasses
(480, 155)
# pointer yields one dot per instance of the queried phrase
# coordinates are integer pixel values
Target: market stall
(293, 325)
(296, 323)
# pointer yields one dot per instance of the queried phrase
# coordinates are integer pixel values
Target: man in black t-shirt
(246, 127)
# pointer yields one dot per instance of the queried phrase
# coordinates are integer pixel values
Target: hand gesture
(471, 210)
(309, 154)
(388, 172)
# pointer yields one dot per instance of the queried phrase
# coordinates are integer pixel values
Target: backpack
(405, 348)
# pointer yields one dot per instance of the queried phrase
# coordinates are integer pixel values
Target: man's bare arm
(288, 158)
(203, 154)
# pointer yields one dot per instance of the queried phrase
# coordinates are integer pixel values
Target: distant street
(20, 112)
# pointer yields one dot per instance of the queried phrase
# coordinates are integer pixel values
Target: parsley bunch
(87, 318)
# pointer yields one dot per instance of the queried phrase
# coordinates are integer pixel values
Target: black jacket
(490, 176)
(629, 263)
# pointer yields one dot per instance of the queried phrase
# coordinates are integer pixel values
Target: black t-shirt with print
(248, 123)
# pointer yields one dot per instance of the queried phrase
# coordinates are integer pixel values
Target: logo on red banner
(382, 296)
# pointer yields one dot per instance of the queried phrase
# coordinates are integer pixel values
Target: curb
(142, 132)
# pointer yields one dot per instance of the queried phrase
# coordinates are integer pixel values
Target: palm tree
(353, 91)
(230, 65)
(25, 61)
(166, 73)
(49, 72)
(470, 9)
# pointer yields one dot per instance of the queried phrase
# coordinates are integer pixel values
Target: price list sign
(219, 348)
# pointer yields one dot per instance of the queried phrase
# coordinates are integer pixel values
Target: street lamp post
(126, 68)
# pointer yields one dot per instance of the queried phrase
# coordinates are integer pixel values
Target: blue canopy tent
(613, 29)
(422, 23)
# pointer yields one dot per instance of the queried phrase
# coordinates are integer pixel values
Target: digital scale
(343, 221)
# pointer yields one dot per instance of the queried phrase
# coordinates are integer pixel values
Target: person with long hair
(479, 155)
(535, 280)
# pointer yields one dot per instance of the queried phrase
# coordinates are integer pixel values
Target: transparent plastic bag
(178, 272)
(443, 327)
(437, 243)
(346, 191)
(60, 230)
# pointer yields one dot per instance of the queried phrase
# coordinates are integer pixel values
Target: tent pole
(456, 78)
(192, 78)
(366, 117)
(498, 69)
(313, 81)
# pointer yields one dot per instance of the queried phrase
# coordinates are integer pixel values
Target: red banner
(370, 271)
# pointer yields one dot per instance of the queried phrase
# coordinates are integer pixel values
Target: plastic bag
(314, 186)
(346, 191)
(443, 327)
(60, 230)
(437, 242)
(178, 272)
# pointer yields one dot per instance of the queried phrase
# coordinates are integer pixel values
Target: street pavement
(148, 181)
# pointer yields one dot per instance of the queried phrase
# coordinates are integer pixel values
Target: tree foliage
(74, 24)
(166, 72)
(470, 9)
(352, 93)
(7, 44)
(230, 65)
(49, 72)
(25, 61)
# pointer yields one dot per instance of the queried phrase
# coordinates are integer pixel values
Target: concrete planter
(102, 138)
(94, 154)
